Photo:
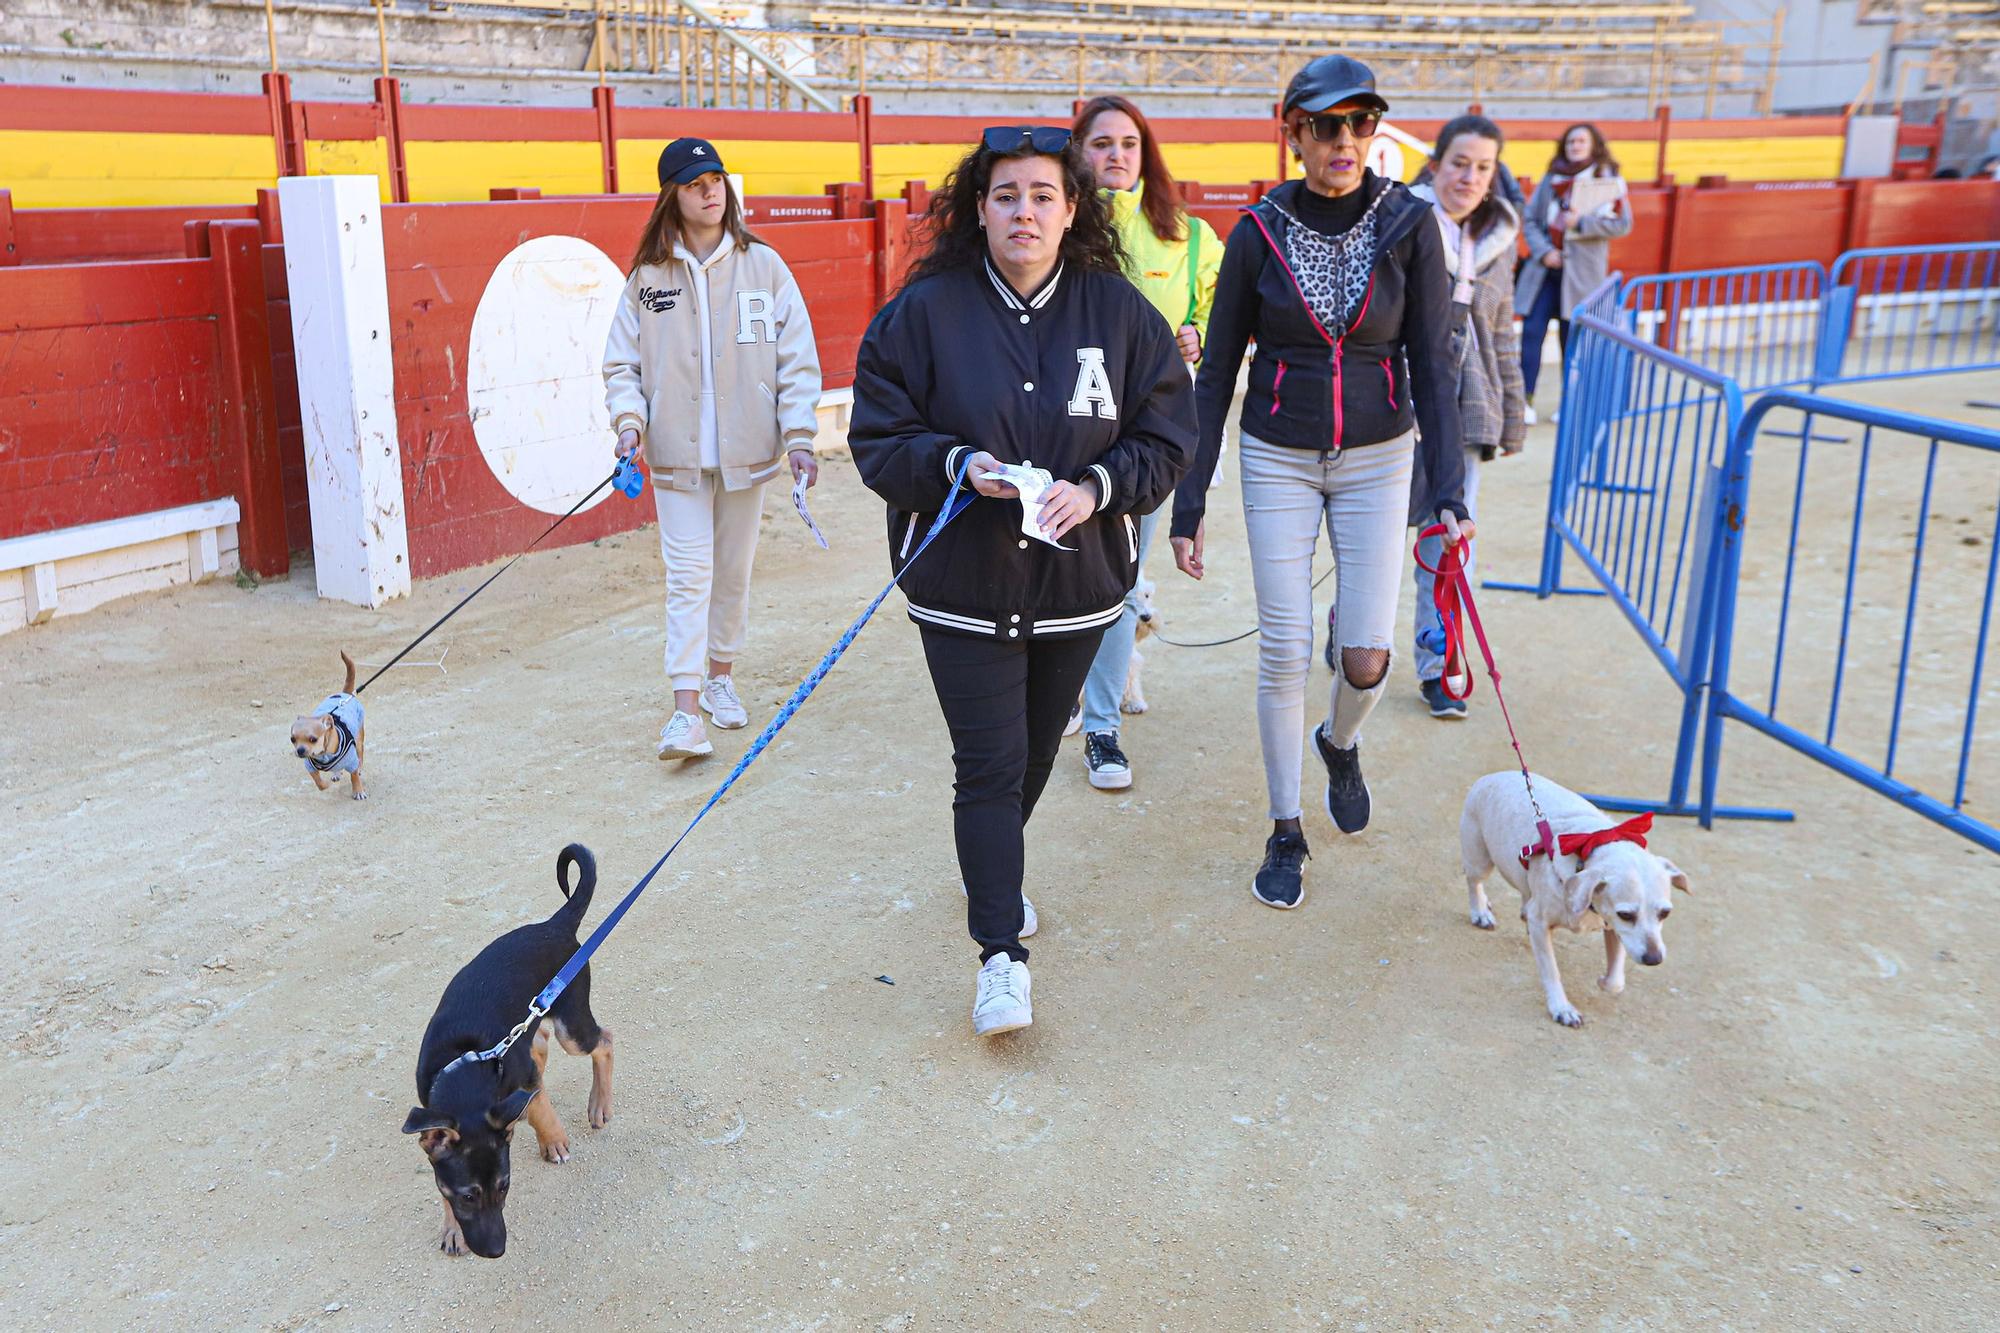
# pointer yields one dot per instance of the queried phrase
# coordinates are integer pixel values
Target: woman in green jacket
(1173, 258)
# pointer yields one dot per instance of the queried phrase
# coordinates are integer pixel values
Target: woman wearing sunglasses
(1340, 278)
(1173, 257)
(1016, 341)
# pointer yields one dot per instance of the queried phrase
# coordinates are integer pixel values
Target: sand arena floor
(1356, 1115)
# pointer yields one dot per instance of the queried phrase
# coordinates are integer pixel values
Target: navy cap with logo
(1330, 81)
(684, 159)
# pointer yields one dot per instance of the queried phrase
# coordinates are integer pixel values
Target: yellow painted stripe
(92, 168)
(443, 170)
(897, 164)
(1789, 159)
(1221, 163)
(352, 157)
(768, 166)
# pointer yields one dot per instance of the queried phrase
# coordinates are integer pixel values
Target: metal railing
(1757, 325)
(1898, 311)
(1666, 527)
(1895, 620)
(1637, 473)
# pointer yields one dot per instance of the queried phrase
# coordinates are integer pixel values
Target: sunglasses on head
(1048, 139)
(1325, 126)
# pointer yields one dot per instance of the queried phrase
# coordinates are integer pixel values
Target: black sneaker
(1442, 704)
(1107, 765)
(1346, 794)
(1280, 881)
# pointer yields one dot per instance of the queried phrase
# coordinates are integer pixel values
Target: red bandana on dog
(1581, 845)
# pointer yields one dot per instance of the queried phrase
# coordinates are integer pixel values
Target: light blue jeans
(1430, 665)
(1105, 689)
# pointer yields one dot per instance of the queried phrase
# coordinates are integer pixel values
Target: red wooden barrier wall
(138, 386)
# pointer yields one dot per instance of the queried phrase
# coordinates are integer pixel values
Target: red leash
(1452, 594)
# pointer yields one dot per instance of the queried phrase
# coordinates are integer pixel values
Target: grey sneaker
(1001, 1003)
(684, 738)
(719, 701)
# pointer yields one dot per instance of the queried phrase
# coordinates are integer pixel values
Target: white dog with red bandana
(1599, 876)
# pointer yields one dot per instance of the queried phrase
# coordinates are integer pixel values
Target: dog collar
(1581, 845)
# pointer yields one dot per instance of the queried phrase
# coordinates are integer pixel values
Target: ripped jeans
(1362, 496)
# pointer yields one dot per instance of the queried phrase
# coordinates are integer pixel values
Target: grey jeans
(1362, 497)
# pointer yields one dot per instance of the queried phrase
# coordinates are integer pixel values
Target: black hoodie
(1392, 363)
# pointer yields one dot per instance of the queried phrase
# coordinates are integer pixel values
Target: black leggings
(1006, 704)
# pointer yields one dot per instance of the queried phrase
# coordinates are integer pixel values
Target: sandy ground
(1356, 1115)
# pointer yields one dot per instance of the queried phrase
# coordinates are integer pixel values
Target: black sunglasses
(1049, 139)
(1325, 126)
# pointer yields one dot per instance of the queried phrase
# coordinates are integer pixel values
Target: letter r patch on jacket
(1093, 386)
(753, 312)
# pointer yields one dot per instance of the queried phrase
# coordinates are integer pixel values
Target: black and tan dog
(466, 1122)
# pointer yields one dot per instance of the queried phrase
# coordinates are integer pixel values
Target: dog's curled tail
(576, 854)
(348, 688)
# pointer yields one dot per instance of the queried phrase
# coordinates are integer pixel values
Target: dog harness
(345, 711)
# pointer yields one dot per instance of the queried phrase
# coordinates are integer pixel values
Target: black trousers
(1006, 704)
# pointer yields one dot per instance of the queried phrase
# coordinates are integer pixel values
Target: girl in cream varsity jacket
(711, 368)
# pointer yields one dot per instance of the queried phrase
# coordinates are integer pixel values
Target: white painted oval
(534, 377)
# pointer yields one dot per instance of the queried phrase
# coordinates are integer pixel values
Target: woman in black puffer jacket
(1340, 279)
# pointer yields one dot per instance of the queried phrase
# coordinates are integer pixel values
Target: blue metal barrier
(1899, 311)
(1602, 304)
(1864, 590)
(1758, 325)
(1634, 494)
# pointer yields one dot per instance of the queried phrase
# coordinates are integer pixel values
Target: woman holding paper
(1018, 358)
(1579, 207)
(711, 366)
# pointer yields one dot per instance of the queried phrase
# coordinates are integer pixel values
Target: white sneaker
(1029, 925)
(1528, 415)
(1075, 723)
(1001, 1004)
(684, 738)
(719, 701)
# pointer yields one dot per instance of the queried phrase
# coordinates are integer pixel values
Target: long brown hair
(663, 226)
(1162, 200)
(955, 241)
(1600, 151)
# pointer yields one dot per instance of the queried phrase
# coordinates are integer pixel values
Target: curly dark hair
(956, 241)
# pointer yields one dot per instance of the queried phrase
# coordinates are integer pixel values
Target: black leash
(1235, 638)
(484, 586)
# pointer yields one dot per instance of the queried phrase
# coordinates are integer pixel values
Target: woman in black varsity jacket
(1340, 279)
(1016, 341)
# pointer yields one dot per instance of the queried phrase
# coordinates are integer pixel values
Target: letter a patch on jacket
(1093, 386)
(753, 313)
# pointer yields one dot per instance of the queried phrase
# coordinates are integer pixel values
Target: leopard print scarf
(1333, 271)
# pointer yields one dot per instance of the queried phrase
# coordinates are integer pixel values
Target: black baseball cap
(684, 159)
(1329, 81)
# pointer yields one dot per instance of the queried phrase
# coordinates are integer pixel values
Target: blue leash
(954, 504)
